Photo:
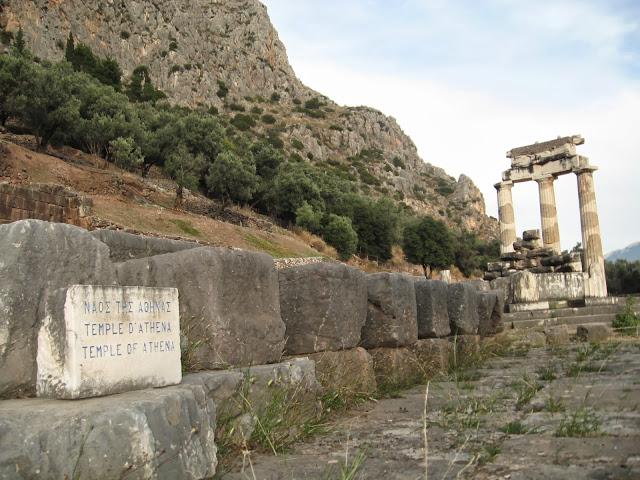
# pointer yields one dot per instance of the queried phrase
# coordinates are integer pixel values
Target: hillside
(227, 55)
(631, 253)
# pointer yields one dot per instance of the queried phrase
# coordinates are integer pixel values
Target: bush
(313, 104)
(243, 122)
(268, 119)
(232, 178)
(309, 219)
(275, 97)
(297, 144)
(223, 90)
(125, 153)
(338, 232)
(627, 321)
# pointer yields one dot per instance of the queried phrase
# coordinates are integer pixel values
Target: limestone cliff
(226, 54)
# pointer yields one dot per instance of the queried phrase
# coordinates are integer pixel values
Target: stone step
(562, 312)
(572, 322)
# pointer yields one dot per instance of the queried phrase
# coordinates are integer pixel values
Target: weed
(466, 412)
(348, 470)
(526, 388)
(554, 405)
(489, 453)
(584, 422)
(547, 373)
(515, 428)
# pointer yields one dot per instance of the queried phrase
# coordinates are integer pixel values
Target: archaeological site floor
(566, 412)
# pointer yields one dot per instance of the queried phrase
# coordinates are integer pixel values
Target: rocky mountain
(226, 54)
(631, 253)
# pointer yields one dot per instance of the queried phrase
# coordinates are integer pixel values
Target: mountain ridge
(227, 55)
(631, 253)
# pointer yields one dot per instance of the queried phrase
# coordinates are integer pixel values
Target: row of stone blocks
(236, 309)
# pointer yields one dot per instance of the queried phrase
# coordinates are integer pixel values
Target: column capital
(544, 178)
(585, 169)
(504, 184)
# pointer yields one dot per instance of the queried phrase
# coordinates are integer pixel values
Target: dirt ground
(570, 412)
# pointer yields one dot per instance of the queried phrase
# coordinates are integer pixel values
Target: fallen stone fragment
(557, 335)
(594, 332)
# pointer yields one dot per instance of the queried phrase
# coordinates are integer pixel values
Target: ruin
(543, 162)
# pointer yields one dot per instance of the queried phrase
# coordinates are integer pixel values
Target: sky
(468, 80)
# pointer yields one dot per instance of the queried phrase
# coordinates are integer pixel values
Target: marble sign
(100, 340)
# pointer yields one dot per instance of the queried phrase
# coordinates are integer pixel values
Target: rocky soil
(569, 412)
(227, 54)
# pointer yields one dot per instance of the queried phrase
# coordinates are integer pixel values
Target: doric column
(592, 257)
(548, 213)
(506, 216)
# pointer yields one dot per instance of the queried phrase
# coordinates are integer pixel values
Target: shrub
(256, 110)
(275, 97)
(627, 321)
(297, 144)
(223, 90)
(268, 119)
(313, 104)
(125, 153)
(339, 233)
(309, 219)
(236, 107)
(397, 162)
(124, 35)
(243, 122)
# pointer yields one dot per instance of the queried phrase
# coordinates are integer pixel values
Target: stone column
(592, 256)
(548, 213)
(506, 216)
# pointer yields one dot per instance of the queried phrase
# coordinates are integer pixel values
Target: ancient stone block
(391, 311)
(466, 348)
(349, 372)
(37, 258)
(594, 332)
(490, 313)
(433, 355)
(557, 335)
(503, 285)
(494, 266)
(241, 395)
(396, 368)
(529, 235)
(524, 287)
(323, 305)
(479, 285)
(126, 246)
(432, 313)
(561, 286)
(462, 305)
(97, 341)
(229, 303)
(159, 433)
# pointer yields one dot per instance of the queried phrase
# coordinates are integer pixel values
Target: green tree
(140, 87)
(15, 75)
(232, 178)
(125, 153)
(49, 102)
(292, 187)
(20, 45)
(185, 169)
(339, 233)
(376, 223)
(472, 254)
(427, 242)
(309, 219)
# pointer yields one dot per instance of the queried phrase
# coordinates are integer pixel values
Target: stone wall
(51, 203)
(238, 316)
